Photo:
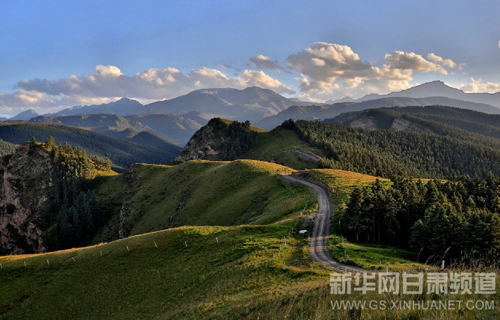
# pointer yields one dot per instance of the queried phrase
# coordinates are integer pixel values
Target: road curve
(318, 247)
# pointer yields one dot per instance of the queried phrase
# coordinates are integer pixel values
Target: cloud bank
(329, 69)
(479, 86)
(322, 71)
(108, 83)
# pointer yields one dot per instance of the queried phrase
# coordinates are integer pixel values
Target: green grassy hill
(152, 197)
(206, 279)
(278, 146)
(156, 276)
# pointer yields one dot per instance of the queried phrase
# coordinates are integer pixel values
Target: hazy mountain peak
(345, 99)
(252, 103)
(25, 115)
(120, 107)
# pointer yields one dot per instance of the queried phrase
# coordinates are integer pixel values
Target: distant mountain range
(143, 147)
(120, 107)
(345, 99)
(177, 119)
(439, 89)
(472, 126)
(25, 115)
(331, 111)
(251, 104)
(175, 128)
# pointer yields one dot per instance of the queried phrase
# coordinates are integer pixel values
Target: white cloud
(411, 61)
(445, 62)
(250, 78)
(108, 83)
(479, 86)
(108, 71)
(331, 71)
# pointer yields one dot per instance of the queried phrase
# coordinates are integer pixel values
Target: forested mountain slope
(389, 153)
(121, 153)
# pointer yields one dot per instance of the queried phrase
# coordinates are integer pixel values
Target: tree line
(457, 217)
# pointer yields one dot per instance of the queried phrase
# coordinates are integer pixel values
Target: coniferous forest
(389, 153)
(74, 205)
(239, 138)
(457, 217)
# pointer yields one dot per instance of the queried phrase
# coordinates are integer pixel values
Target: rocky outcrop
(25, 184)
(204, 143)
(400, 124)
(364, 123)
(131, 176)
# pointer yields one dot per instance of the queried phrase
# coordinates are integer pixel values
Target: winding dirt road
(318, 247)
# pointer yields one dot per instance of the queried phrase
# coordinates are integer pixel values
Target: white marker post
(73, 259)
(250, 238)
(128, 249)
(48, 262)
(280, 247)
(156, 244)
(25, 264)
(266, 263)
(442, 265)
(386, 268)
(101, 253)
(284, 265)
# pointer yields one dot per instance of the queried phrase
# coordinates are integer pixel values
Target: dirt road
(318, 247)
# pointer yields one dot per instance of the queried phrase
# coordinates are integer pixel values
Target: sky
(56, 54)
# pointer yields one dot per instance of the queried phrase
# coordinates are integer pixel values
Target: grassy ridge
(155, 197)
(228, 279)
(205, 280)
(277, 146)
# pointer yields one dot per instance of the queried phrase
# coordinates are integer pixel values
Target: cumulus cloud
(479, 86)
(445, 62)
(108, 83)
(263, 62)
(411, 61)
(333, 70)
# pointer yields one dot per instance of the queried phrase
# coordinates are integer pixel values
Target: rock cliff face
(364, 123)
(404, 125)
(397, 124)
(25, 184)
(204, 143)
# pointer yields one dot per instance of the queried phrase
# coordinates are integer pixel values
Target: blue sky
(55, 54)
